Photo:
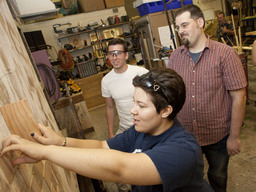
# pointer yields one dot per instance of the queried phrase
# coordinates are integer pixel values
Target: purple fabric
(47, 74)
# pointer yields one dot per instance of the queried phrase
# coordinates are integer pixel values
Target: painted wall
(86, 18)
(210, 4)
(82, 19)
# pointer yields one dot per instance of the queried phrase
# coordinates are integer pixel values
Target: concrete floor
(241, 169)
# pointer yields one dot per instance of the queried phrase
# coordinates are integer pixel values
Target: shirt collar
(207, 45)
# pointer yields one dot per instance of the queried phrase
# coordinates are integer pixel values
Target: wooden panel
(26, 172)
(45, 187)
(47, 172)
(91, 87)
(67, 119)
(7, 168)
(24, 123)
(64, 102)
(34, 185)
(19, 81)
(18, 178)
(37, 173)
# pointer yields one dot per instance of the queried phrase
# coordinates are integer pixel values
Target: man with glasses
(118, 90)
(215, 92)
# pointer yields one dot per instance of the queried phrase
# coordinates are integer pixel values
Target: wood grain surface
(20, 119)
(23, 104)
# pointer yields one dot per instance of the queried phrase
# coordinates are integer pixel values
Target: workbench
(67, 117)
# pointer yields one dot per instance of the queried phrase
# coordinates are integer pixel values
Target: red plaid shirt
(207, 109)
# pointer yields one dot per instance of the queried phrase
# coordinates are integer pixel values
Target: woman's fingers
(14, 143)
(23, 159)
(39, 138)
(32, 151)
(42, 128)
(48, 137)
(10, 147)
(13, 139)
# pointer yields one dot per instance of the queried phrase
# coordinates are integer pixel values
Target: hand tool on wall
(58, 25)
(72, 30)
(103, 24)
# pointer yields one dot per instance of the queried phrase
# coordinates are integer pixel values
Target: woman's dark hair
(165, 87)
(118, 41)
(195, 11)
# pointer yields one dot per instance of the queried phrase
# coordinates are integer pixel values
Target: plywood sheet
(23, 104)
(7, 168)
(20, 119)
(37, 173)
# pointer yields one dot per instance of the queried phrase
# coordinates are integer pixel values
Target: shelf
(250, 36)
(96, 44)
(127, 36)
(73, 50)
(112, 26)
(249, 18)
(91, 30)
(74, 34)
(107, 40)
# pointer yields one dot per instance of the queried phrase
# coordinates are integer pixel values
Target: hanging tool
(103, 24)
(58, 25)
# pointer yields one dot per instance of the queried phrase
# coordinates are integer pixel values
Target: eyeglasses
(155, 87)
(116, 53)
(183, 25)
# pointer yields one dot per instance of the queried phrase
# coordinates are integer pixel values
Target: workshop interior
(56, 56)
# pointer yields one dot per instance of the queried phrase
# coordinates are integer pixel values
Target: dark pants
(217, 157)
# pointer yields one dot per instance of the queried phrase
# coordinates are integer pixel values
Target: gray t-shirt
(195, 56)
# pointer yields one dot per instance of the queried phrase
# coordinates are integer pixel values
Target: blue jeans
(217, 157)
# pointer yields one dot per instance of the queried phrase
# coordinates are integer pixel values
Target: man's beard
(185, 41)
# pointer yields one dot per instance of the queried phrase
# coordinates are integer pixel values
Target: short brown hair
(118, 41)
(221, 13)
(195, 11)
(171, 89)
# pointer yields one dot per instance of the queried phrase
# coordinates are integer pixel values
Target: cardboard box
(91, 5)
(114, 3)
(130, 9)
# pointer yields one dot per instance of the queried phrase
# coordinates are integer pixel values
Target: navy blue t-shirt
(175, 153)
